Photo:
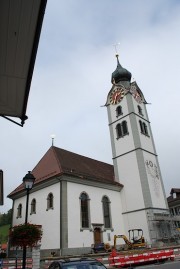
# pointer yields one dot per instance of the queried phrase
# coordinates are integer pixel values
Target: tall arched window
(50, 201)
(121, 129)
(124, 128)
(145, 129)
(19, 211)
(141, 126)
(119, 111)
(140, 110)
(106, 212)
(118, 130)
(33, 206)
(84, 202)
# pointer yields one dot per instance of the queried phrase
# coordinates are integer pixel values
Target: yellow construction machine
(136, 239)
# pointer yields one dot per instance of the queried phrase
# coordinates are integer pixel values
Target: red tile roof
(58, 161)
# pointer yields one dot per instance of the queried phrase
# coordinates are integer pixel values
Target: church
(80, 201)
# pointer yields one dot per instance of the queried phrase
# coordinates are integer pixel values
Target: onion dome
(120, 74)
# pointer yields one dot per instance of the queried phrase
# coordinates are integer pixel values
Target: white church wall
(155, 181)
(15, 220)
(112, 115)
(120, 146)
(84, 238)
(49, 219)
(131, 194)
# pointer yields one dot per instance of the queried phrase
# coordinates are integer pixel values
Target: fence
(15, 263)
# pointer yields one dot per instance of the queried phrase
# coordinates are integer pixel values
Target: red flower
(25, 235)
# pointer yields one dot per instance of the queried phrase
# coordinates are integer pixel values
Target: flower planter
(25, 235)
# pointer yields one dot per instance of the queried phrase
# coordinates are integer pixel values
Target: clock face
(136, 94)
(116, 96)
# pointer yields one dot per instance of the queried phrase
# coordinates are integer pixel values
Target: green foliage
(4, 232)
(6, 218)
(25, 235)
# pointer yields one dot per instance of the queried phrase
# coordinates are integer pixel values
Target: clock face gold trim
(116, 96)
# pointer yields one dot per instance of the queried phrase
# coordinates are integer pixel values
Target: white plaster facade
(76, 238)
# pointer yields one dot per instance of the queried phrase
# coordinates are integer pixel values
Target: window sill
(50, 208)
(122, 136)
(145, 134)
(32, 213)
(117, 116)
(85, 229)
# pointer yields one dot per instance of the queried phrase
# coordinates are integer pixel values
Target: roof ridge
(73, 153)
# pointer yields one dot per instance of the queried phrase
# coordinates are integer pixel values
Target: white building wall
(112, 115)
(84, 238)
(155, 181)
(49, 219)
(121, 146)
(131, 194)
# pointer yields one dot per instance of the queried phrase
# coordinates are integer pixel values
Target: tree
(5, 218)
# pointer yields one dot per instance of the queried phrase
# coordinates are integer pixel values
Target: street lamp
(28, 182)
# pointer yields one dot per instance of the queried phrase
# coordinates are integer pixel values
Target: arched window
(140, 110)
(145, 129)
(84, 203)
(118, 130)
(119, 111)
(50, 201)
(33, 206)
(121, 129)
(141, 126)
(19, 211)
(106, 212)
(124, 128)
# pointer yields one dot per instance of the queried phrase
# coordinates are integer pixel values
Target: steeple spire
(120, 74)
(117, 56)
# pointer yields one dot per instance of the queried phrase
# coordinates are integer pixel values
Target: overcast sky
(72, 78)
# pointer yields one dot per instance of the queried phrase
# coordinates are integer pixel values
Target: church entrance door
(97, 235)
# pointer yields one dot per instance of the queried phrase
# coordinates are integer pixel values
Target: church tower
(135, 159)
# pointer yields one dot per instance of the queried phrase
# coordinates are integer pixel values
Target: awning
(20, 28)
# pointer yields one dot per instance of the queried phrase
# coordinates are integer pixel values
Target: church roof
(57, 162)
(120, 74)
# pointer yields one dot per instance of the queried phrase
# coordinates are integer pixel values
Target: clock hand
(116, 95)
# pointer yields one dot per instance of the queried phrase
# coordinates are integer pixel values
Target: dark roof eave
(33, 58)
